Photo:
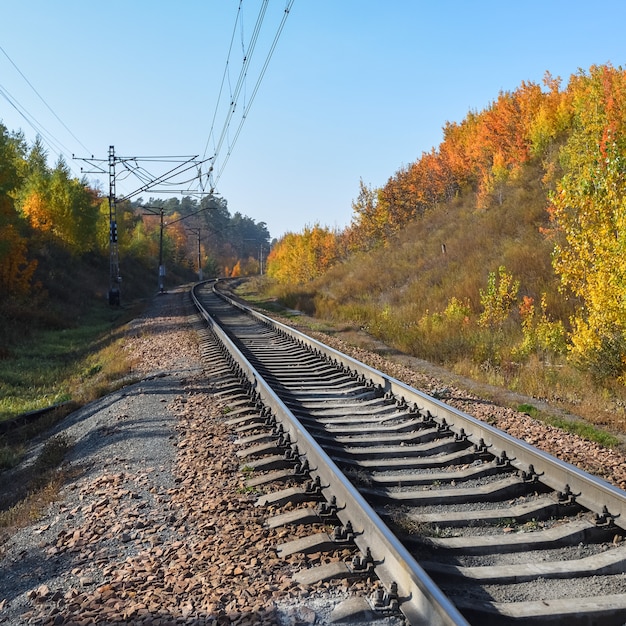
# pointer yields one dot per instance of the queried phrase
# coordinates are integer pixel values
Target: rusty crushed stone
(600, 461)
(156, 525)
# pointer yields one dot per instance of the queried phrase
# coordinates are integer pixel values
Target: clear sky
(355, 89)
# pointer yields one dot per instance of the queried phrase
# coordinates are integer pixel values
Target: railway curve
(461, 522)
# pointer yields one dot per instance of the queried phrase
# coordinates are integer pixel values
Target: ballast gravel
(605, 463)
(155, 525)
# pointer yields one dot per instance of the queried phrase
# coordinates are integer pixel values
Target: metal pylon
(114, 276)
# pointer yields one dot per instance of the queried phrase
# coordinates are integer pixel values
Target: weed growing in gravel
(53, 453)
(506, 522)
(358, 477)
(243, 489)
(248, 471)
(402, 520)
(531, 525)
(582, 429)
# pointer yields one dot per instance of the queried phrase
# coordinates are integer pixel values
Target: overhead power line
(55, 145)
(237, 92)
(255, 90)
(247, 59)
(224, 75)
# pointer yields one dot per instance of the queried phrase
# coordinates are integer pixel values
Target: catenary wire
(52, 142)
(42, 99)
(242, 75)
(254, 91)
(224, 75)
(235, 95)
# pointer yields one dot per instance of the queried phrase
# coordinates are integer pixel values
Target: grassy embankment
(53, 366)
(73, 366)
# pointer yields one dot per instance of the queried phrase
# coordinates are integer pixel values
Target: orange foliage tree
(481, 153)
(16, 270)
(33, 193)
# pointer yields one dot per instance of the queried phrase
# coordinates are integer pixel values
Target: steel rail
(420, 599)
(593, 493)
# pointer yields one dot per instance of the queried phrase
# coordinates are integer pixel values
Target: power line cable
(224, 75)
(255, 90)
(235, 95)
(242, 75)
(42, 99)
(52, 142)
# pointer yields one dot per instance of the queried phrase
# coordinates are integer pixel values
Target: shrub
(541, 335)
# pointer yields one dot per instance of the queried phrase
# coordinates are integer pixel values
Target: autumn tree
(588, 209)
(74, 209)
(551, 121)
(58, 205)
(369, 221)
(482, 153)
(33, 195)
(498, 299)
(16, 270)
(300, 258)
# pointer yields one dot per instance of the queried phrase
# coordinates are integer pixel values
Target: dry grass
(34, 487)
(102, 373)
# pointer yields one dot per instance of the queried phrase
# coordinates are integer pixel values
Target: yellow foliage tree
(300, 258)
(16, 271)
(34, 208)
(588, 209)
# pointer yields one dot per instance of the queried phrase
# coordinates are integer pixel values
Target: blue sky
(355, 89)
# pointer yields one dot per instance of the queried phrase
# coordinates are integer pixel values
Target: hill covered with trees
(500, 253)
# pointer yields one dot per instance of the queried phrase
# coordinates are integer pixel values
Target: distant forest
(503, 246)
(54, 226)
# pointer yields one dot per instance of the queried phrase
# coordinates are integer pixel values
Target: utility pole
(161, 266)
(159, 211)
(114, 264)
(183, 165)
(197, 231)
(260, 253)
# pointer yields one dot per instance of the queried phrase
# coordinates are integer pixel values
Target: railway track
(460, 523)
